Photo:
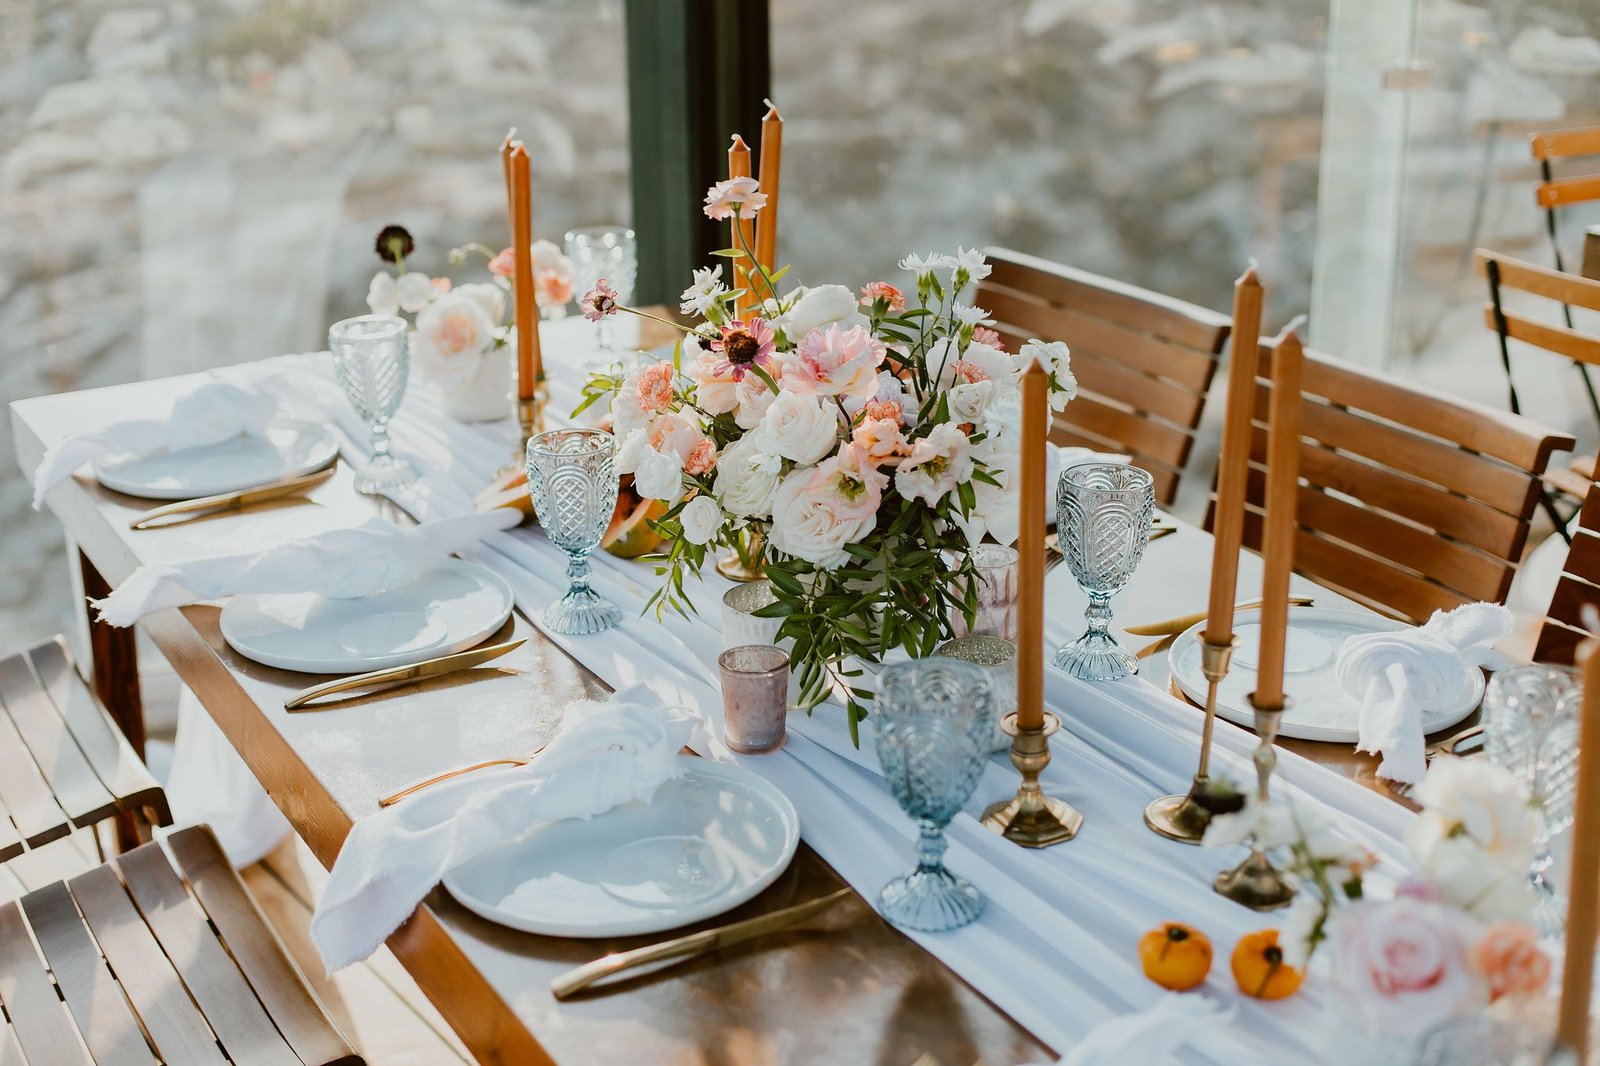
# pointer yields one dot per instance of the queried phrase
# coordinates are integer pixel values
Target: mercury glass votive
(740, 625)
(755, 697)
(998, 659)
(996, 567)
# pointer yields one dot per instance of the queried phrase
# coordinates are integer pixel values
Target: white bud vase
(483, 395)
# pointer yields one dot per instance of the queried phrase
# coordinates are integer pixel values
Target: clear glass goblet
(371, 361)
(1514, 1031)
(607, 252)
(931, 725)
(1103, 513)
(573, 483)
(1530, 727)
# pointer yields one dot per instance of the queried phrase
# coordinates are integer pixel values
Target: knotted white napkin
(342, 563)
(216, 409)
(604, 755)
(1151, 1037)
(1399, 675)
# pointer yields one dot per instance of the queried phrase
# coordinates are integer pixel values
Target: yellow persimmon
(1175, 956)
(1259, 968)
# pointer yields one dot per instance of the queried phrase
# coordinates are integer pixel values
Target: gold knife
(230, 501)
(401, 675)
(685, 947)
(1184, 621)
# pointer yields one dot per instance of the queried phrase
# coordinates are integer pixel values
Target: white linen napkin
(216, 409)
(341, 563)
(1151, 1037)
(1398, 675)
(603, 755)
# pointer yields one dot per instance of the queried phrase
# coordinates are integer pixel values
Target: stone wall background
(197, 183)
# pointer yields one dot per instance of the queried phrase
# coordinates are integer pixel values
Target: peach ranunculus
(552, 289)
(504, 264)
(702, 459)
(835, 361)
(892, 297)
(881, 440)
(655, 388)
(1402, 965)
(1510, 959)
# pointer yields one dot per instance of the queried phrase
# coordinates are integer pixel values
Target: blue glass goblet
(572, 479)
(931, 723)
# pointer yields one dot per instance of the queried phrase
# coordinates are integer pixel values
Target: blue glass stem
(578, 573)
(931, 846)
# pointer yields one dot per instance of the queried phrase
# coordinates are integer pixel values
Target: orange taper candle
(530, 366)
(1030, 547)
(1583, 893)
(1233, 468)
(741, 230)
(771, 167)
(1277, 541)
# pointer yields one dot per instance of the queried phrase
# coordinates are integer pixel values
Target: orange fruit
(629, 536)
(1259, 968)
(1175, 956)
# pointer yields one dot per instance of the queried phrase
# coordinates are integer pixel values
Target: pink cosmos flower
(985, 335)
(741, 194)
(599, 301)
(835, 361)
(551, 288)
(1511, 961)
(655, 387)
(743, 344)
(702, 459)
(504, 264)
(881, 440)
(882, 290)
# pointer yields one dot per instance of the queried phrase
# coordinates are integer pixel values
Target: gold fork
(396, 797)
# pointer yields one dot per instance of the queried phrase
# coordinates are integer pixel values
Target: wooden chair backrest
(1410, 501)
(1572, 290)
(1551, 145)
(1144, 361)
(1579, 587)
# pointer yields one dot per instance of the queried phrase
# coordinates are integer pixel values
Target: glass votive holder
(996, 567)
(741, 626)
(755, 697)
(998, 658)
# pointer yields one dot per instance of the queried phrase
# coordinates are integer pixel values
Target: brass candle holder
(1184, 818)
(1030, 818)
(530, 423)
(1255, 882)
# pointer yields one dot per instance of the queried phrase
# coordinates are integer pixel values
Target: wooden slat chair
(1564, 625)
(1410, 501)
(1144, 362)
(157, 955)
(1553, 194)
(1505, 275)
(64, 764)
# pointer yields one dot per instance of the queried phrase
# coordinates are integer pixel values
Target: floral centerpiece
(1453, 939)
(463, 334)
(861, 443)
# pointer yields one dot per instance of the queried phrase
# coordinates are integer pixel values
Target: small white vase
(485, 394)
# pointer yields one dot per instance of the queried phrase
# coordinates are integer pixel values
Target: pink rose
(1511, 961)
(1403, 965)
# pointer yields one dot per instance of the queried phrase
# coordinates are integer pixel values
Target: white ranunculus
(937, 464)
(381, 296)
(807, 522)
(659, 475)
(452, 332)
(1055, 357)
(701, 518)
(747, 476)
(822, 306)
(800, 428)
(414, 290)
(492, 298)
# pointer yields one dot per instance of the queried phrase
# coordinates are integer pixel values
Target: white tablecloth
(1056, 946)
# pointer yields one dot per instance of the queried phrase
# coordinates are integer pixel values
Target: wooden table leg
(114, 658)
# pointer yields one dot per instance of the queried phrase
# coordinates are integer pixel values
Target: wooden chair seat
(157, 955)
(1144, 361)
(64, 764)
(1579, 587)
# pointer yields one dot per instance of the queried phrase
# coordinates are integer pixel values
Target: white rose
(631, 450)
(994, 506)
(381, 296)
(714, 393)
(701, 518)
(659, 475)
(969, 399)
(800, 428)
(822, 306)
(491, 298)
(754, 399)
(807, 524)
(747, 476)
(414, 290)
(627, 413)
(451, 333)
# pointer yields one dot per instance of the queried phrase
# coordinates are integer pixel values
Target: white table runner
(1056, 945)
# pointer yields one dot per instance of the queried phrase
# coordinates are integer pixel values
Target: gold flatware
(687, 947)
(206, 506)
(428, 782)
(382, 680)
(1452, 745)
(1184, 621)
(1156, 646)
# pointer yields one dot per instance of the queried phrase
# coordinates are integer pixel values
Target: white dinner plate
(707, 841)
(286, 449)
(448, 609)
(1320, 708)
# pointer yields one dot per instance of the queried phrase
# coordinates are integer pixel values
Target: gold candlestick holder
(1255, 882)
(530, 423)
(1184, 818)
(1030, 818)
